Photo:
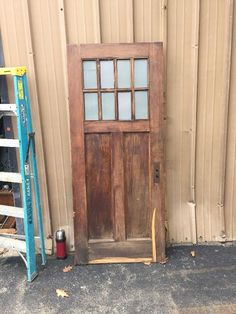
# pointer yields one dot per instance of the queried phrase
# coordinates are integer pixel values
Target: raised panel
(98, 185)
(136, 171)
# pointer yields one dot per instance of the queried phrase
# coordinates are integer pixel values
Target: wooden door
(116, 118)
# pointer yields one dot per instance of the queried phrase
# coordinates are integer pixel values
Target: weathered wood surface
(77, 154)
(115, 166)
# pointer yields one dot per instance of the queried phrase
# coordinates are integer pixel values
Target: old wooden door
(116, 118)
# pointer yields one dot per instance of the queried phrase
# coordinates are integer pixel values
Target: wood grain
(6, 198)
(77, 154)
(116, 126)
(131, 249)
(118, 186)
(120, 260)
(105, 51)
(98, 181)
(156, 145)
(115, 190)
(136, 167)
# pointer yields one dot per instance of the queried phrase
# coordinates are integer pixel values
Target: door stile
(78, 154)
(118, 186)
(156, 146)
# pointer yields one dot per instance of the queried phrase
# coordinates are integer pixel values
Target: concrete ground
(204, 284)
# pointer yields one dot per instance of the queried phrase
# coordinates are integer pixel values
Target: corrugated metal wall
(200, 59)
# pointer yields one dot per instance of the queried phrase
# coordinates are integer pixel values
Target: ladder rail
(26, 181)
(35, 174)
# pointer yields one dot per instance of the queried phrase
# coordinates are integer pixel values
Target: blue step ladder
(26, 144)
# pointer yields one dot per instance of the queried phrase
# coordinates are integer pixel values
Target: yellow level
(19, 71)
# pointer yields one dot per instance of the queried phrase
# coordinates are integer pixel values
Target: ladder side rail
(26, 180)
(9, 133)
(35, 173)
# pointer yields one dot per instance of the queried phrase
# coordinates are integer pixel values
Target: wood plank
(103, 51)
(9, 222)
(10, 177)
(136, 169)
(77, 153)
(98, 180)
(120, 260)
(8, 231)
(124, 249)
(6, 198)
(156, 144)
(116, 126)
(154, 249)
(118, 186)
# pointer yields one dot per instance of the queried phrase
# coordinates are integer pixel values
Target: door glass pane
(124, 104)
(107, 74)
(90, 74)
(91, 106)
(141, 105)
(140, 73)
(123, 69)
(108, 106)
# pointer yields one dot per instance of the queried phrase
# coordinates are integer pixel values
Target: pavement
(205, 283)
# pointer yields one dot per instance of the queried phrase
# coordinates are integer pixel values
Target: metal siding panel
(82, 21)
(54, 111)
(18, 51)
(211, 121)
(230, 186)
(116, 21)
(180, 122)
(148, 20)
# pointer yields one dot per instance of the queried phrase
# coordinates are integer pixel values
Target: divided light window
(116, 89)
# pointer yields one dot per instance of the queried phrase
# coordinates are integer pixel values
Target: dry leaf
(193, 253)
(3, 251)
(66, 269)
(62, 293)
(147, 263)
(164, 261)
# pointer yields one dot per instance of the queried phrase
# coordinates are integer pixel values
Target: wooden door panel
(123, 249)
(117, 164)
(98, 185)
(137, 200)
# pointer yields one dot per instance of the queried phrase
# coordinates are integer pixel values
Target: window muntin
(116, 89)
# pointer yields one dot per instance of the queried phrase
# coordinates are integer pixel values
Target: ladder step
(7, 110)
(8, 243)
(11, 211)
(5, 142)
(10, 177)
(8, 107)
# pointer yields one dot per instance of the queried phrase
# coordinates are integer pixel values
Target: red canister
(61, 244)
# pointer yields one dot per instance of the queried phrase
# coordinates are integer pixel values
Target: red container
(61, 244)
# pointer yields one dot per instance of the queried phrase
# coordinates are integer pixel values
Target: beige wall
(200, 55)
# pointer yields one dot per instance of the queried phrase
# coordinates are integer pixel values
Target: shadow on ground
(204, 284)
